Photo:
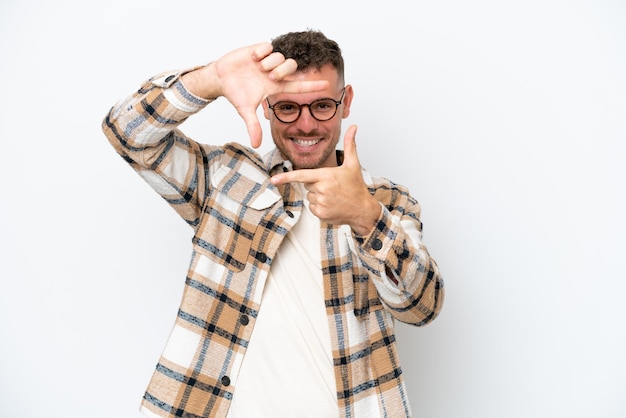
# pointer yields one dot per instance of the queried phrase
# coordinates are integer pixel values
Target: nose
(306, 121)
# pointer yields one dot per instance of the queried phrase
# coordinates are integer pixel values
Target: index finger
(297, 176)
(304, 86)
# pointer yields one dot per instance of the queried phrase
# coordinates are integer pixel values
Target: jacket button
(169, 78)
(244, 320)
(377, 244)
(261, 257)
(289, 213)
(225, 380)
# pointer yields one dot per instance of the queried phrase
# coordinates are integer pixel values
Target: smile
(306, 142)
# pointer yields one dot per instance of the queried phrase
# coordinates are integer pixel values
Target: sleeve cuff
(374, 247)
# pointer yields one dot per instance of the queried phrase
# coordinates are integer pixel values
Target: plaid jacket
(239, 220)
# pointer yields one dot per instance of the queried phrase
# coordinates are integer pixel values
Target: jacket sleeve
(406, 277)
(143, 129)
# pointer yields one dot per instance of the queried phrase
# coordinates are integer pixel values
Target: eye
(286, 107)
(323, 105)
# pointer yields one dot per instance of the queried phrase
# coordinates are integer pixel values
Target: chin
(306, 164)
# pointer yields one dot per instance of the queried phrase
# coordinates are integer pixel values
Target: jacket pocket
(236, 204)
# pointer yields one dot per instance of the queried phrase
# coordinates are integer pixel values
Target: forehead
(327, 72)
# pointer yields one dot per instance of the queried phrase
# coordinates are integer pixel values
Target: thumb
(253, 126)
(350, 157)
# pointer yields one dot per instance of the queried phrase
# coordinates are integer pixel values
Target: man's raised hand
(246, 76)
(338, 195)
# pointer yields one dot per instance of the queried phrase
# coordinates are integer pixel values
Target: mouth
(305, 142)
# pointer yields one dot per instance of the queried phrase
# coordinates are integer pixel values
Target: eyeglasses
(321, 109)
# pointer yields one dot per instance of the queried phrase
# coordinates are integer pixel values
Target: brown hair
(310, 49)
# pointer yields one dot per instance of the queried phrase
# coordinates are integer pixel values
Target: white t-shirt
(288, 367)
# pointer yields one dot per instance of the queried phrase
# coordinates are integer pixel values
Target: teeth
(306, 143)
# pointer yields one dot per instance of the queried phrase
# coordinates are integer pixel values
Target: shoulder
(239, 152)
(394, 196)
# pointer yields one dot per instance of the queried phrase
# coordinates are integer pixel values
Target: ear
(266, 109)
(347, 101)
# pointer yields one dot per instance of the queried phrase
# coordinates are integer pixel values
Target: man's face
(308, 142)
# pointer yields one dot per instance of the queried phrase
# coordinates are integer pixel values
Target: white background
(505, 119)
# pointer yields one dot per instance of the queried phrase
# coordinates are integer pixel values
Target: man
(301, 260)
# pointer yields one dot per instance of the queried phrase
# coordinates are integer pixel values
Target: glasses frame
(300, 106)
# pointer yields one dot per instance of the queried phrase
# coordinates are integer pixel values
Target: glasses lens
(287, 111)
(323, 109)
